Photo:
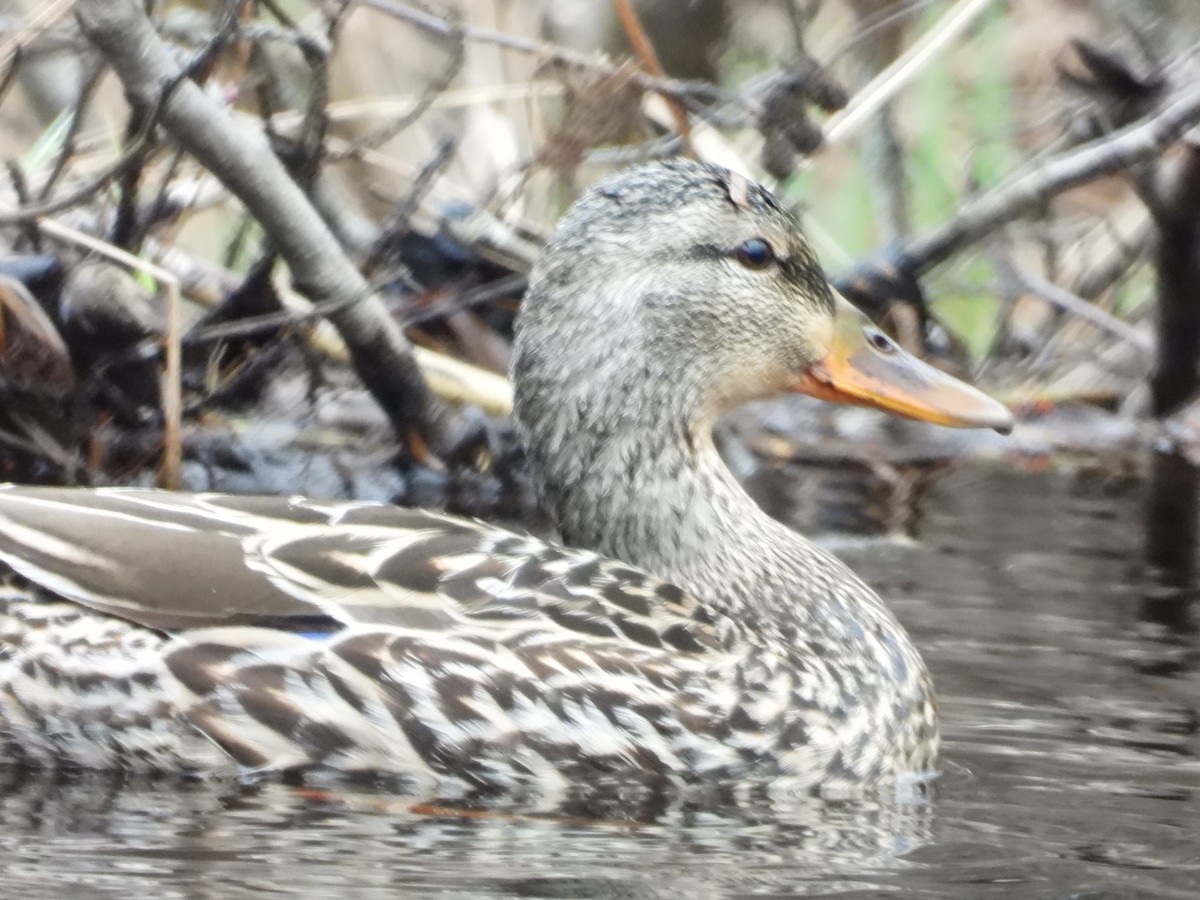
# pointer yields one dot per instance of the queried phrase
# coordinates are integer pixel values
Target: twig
(281, 16)
(884, 86)
(243, 161)
(462, 382)
(133, 157)
(314, 127)
(158, 208)
(34, 26)
(352, 109)
(86, 92)
(1115, 153)
(867, 27)
(454, 64)
(20, 185)
(1076, 306)
(399, 220)
(1117, 261)
(82, 192)
(125, 221)
(54, 453)
(207, 283)
(11, 68)
(507, 286)
(643, 49)
(684, 91)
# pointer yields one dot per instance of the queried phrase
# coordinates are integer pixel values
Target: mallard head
(674, 291)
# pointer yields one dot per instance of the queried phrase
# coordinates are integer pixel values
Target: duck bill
(865, 368)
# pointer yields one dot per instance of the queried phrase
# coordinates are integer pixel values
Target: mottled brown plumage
(692, 638)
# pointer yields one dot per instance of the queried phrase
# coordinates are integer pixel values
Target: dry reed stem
(451, 379)
(36, 24)
(884, 86)
(643, 49)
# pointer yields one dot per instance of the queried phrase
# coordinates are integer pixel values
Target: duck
(675, 634)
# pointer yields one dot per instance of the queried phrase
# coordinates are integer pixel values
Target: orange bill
(867, 368)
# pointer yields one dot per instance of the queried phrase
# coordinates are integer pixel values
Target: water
(1067, 670)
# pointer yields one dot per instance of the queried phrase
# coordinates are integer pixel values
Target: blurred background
(1010, 187)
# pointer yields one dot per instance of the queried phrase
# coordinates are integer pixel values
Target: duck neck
(661, 498)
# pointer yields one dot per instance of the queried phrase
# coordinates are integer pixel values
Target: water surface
(1067, 671)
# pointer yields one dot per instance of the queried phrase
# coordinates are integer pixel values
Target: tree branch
(894, 272)
(243, 161)
(1116, 153)
(686, 92)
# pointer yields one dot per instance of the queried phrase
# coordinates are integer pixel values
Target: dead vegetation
(279, 246)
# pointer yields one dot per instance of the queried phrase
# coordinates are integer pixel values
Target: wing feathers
(482, 710)
(176, 561)
(371, 638)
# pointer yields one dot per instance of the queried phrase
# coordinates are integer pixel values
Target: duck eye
(880, 341)
(755, 253)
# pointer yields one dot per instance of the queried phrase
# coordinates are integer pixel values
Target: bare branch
(1076, 306)
(90, 82)
(455, 59)
(686, 92)
(243, 161)
(896, 76)
(81, 193)
(895, 271)
(1116, 153)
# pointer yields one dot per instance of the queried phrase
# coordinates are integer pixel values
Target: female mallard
(693, 637)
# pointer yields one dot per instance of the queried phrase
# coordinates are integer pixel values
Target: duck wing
(174, 562)
(367, 637)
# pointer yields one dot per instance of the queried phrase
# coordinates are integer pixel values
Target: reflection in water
(1171, 529)
(1071, 758)
(272, 837)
